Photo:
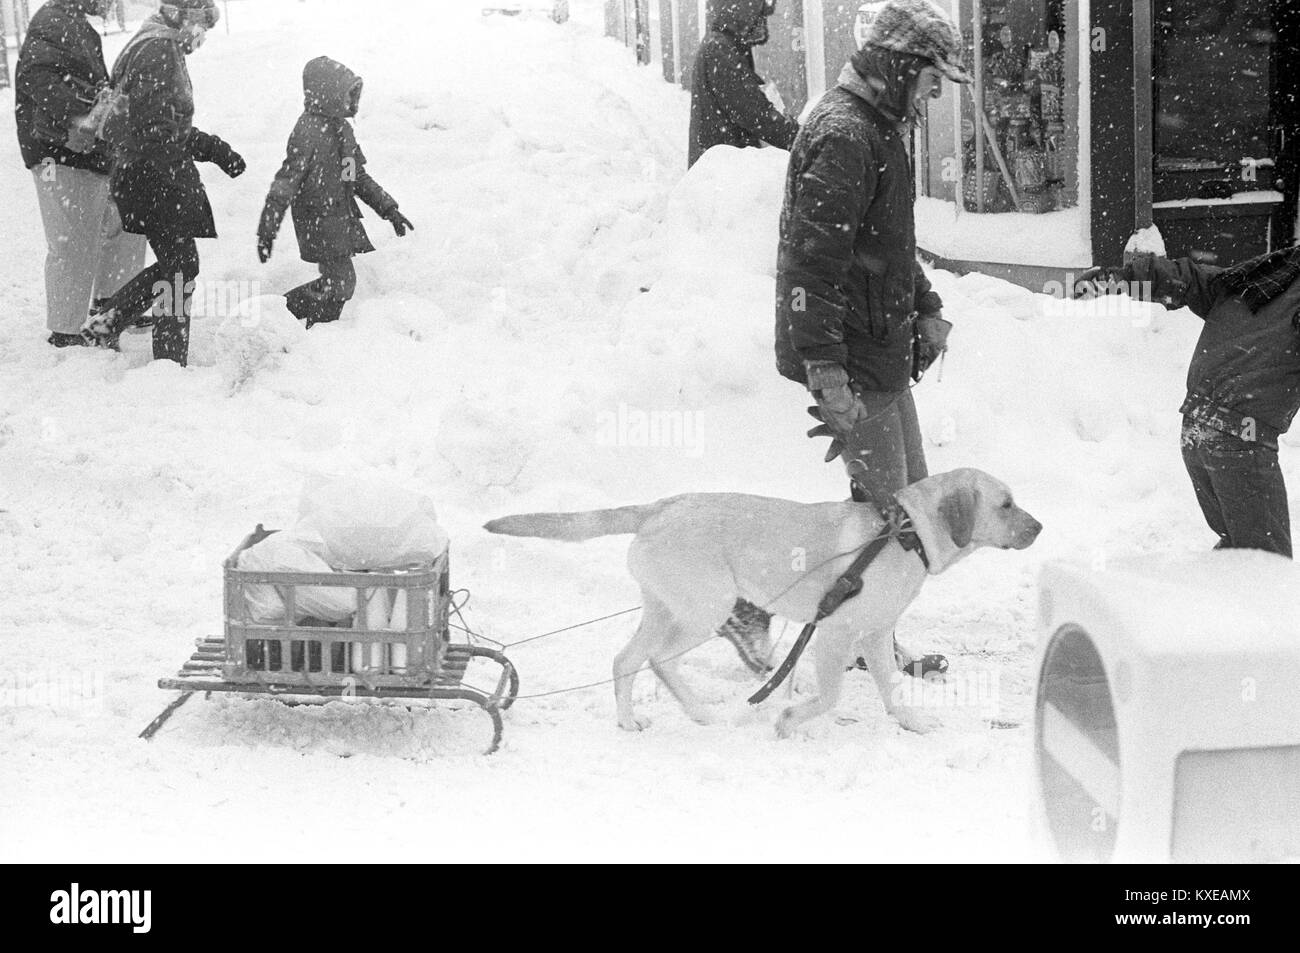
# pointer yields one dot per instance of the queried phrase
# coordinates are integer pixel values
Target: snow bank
(1054, 239)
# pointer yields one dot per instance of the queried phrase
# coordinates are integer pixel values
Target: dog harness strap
(898, 527)
(780, 674)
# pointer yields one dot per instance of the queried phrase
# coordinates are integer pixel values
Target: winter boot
(303, 305)
(331, 309)
(923, 667)
(103, 327)
(747, 631)
(171, 339)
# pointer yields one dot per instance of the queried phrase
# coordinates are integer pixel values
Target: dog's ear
(958, 511)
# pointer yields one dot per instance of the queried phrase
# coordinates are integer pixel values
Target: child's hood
(326, 85)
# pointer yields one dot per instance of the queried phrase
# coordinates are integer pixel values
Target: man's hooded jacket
(728, 105)
(324, 170)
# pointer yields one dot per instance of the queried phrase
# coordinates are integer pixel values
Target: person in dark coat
(155, 181)
(728, 105)
(856, 319)
(1243, 385)
(323, 174)
(60, 79)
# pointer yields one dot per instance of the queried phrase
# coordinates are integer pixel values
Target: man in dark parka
(856, 318)
(728, 105)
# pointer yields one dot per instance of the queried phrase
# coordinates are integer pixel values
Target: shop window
(1021, 156)
(1212, 77)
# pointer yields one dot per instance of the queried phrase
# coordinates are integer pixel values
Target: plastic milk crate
(410, 660)
(311, 652)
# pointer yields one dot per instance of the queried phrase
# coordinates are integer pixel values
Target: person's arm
(829, 202)
(926, 300)
(1174, 283)
(370, 192)
(740, 90)
(205, 147)
(284, 188)
(47, 81)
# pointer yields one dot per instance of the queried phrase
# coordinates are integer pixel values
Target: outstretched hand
(1097, 281)
(401, 224)
(264, 243)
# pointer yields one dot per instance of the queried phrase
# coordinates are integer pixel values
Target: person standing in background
(728, 102)
(60, 77)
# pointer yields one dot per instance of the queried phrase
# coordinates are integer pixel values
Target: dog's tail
(575, 527)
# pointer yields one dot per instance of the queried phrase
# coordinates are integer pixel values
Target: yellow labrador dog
(694, 554)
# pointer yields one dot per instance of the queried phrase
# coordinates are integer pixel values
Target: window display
(1014, 155)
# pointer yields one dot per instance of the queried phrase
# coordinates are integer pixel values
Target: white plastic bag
(279, 553)
(356, 524)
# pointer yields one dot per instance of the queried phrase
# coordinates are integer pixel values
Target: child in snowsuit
(1243, 385)
(323, 175)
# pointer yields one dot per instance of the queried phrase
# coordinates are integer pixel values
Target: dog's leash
(848, 585)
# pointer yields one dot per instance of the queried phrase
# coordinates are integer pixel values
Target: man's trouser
(885, 453)
(322, 299)
(1240, 489)
(88, 255)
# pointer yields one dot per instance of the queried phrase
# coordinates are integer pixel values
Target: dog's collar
(899, 526)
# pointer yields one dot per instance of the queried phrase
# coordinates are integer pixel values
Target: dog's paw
(785, 725)
(634, 723)
(917, 721)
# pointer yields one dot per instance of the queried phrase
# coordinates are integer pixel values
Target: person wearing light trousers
(60, 73)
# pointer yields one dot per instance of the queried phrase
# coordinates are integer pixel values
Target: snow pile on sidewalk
(573, 324)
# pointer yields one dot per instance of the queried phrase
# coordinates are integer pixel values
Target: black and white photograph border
(405, 413)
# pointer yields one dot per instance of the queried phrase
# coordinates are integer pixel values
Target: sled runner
(395, 647)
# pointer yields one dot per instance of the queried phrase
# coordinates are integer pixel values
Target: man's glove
(824, 430)
(839, 406)
(81, 137)
(267, 226)
(931, 338)
(401, 224)
(225, 158)
(232, 164)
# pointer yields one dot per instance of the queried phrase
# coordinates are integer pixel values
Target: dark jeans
(887, 450)
(323, 299)
(169, 283)
(1240, 489)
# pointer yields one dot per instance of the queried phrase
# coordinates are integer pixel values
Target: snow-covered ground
(565, 279)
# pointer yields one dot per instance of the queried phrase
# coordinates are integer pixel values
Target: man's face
(929, 85)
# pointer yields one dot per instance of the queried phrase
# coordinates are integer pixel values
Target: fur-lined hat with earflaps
(201, 11)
